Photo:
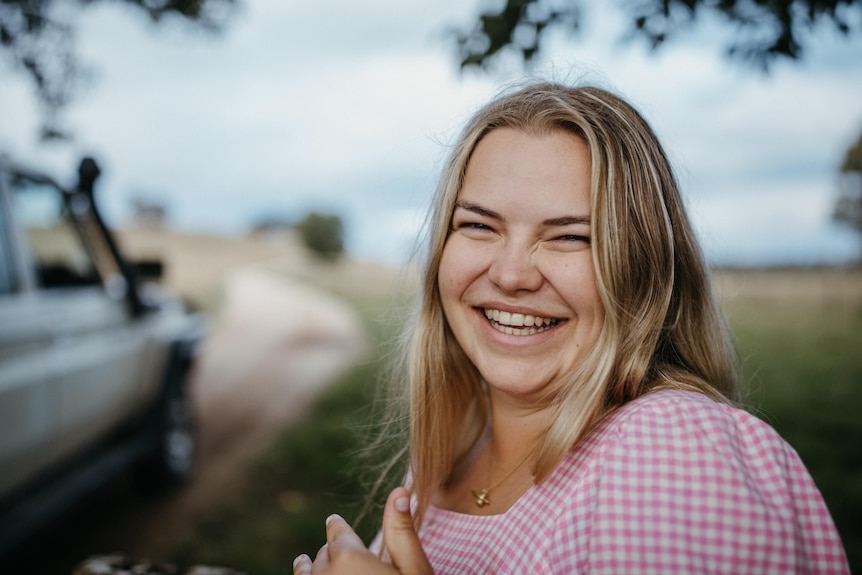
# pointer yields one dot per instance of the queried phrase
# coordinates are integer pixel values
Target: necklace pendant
(481, 498)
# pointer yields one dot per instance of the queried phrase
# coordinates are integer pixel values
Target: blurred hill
(197, 265)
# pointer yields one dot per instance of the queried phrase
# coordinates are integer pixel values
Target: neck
(507, 449)
(501, 463)
(515, 429)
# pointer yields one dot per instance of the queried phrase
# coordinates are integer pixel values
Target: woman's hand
(344, 551)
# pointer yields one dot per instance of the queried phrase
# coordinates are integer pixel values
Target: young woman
(572, 387)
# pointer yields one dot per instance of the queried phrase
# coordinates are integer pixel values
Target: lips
(518, 323)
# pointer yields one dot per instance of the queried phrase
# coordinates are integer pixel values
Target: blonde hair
(662, 328)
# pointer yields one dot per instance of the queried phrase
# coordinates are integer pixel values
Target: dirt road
(276, 344)
(273, 347)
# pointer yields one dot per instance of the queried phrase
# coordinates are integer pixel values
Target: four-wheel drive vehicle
(93, 360)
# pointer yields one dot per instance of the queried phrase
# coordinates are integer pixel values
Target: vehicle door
(27, 407)
(94, 362)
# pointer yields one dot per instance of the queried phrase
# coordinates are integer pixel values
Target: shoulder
(679, 479)
(693, 448)
(665, 411)
(674, 430)
(684, 422)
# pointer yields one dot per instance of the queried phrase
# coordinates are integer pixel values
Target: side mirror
(149, 269)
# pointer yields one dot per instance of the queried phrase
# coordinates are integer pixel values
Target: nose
(513, 269)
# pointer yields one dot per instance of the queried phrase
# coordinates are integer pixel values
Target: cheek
(454, 273)
(579, 288)
(592, 294)
(597, 310)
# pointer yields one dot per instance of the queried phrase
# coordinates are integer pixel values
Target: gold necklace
(482, 495)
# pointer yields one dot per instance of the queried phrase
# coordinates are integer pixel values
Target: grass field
(798, 332)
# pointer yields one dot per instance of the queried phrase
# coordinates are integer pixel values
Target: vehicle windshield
(58, 249)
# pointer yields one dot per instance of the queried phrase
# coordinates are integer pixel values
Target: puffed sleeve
(686, 485)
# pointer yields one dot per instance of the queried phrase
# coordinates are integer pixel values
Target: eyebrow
(552, 222)
(477, 209)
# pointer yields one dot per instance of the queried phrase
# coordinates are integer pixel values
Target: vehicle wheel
(172, 461)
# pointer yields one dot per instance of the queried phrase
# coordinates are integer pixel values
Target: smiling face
(516, 279)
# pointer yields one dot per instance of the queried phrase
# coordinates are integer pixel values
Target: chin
(508, 382)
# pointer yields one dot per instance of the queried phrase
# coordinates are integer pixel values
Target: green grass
(311, 471)
(803, 363)
(803, 366)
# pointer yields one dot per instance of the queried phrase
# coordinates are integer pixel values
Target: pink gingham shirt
(670, 483)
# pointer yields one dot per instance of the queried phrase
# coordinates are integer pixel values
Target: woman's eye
(472, 226)
(574, 238)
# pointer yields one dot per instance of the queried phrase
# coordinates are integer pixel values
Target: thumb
(400, 538)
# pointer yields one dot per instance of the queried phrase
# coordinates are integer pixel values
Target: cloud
(781, 224)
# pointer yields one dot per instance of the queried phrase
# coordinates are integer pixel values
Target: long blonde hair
(662, 329)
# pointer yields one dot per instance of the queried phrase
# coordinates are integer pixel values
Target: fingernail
(302, 565)
(402, 504)
(331, 517)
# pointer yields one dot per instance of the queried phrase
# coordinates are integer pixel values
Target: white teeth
(509, 323)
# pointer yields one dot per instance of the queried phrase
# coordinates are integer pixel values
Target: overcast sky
(348, 107)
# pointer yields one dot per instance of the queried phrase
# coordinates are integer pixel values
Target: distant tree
(37, 36)
(272, 223)
(848, 207)
(763, 30)
(323, 235)
(149, 212)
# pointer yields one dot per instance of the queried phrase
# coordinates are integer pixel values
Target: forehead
(547, 171)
